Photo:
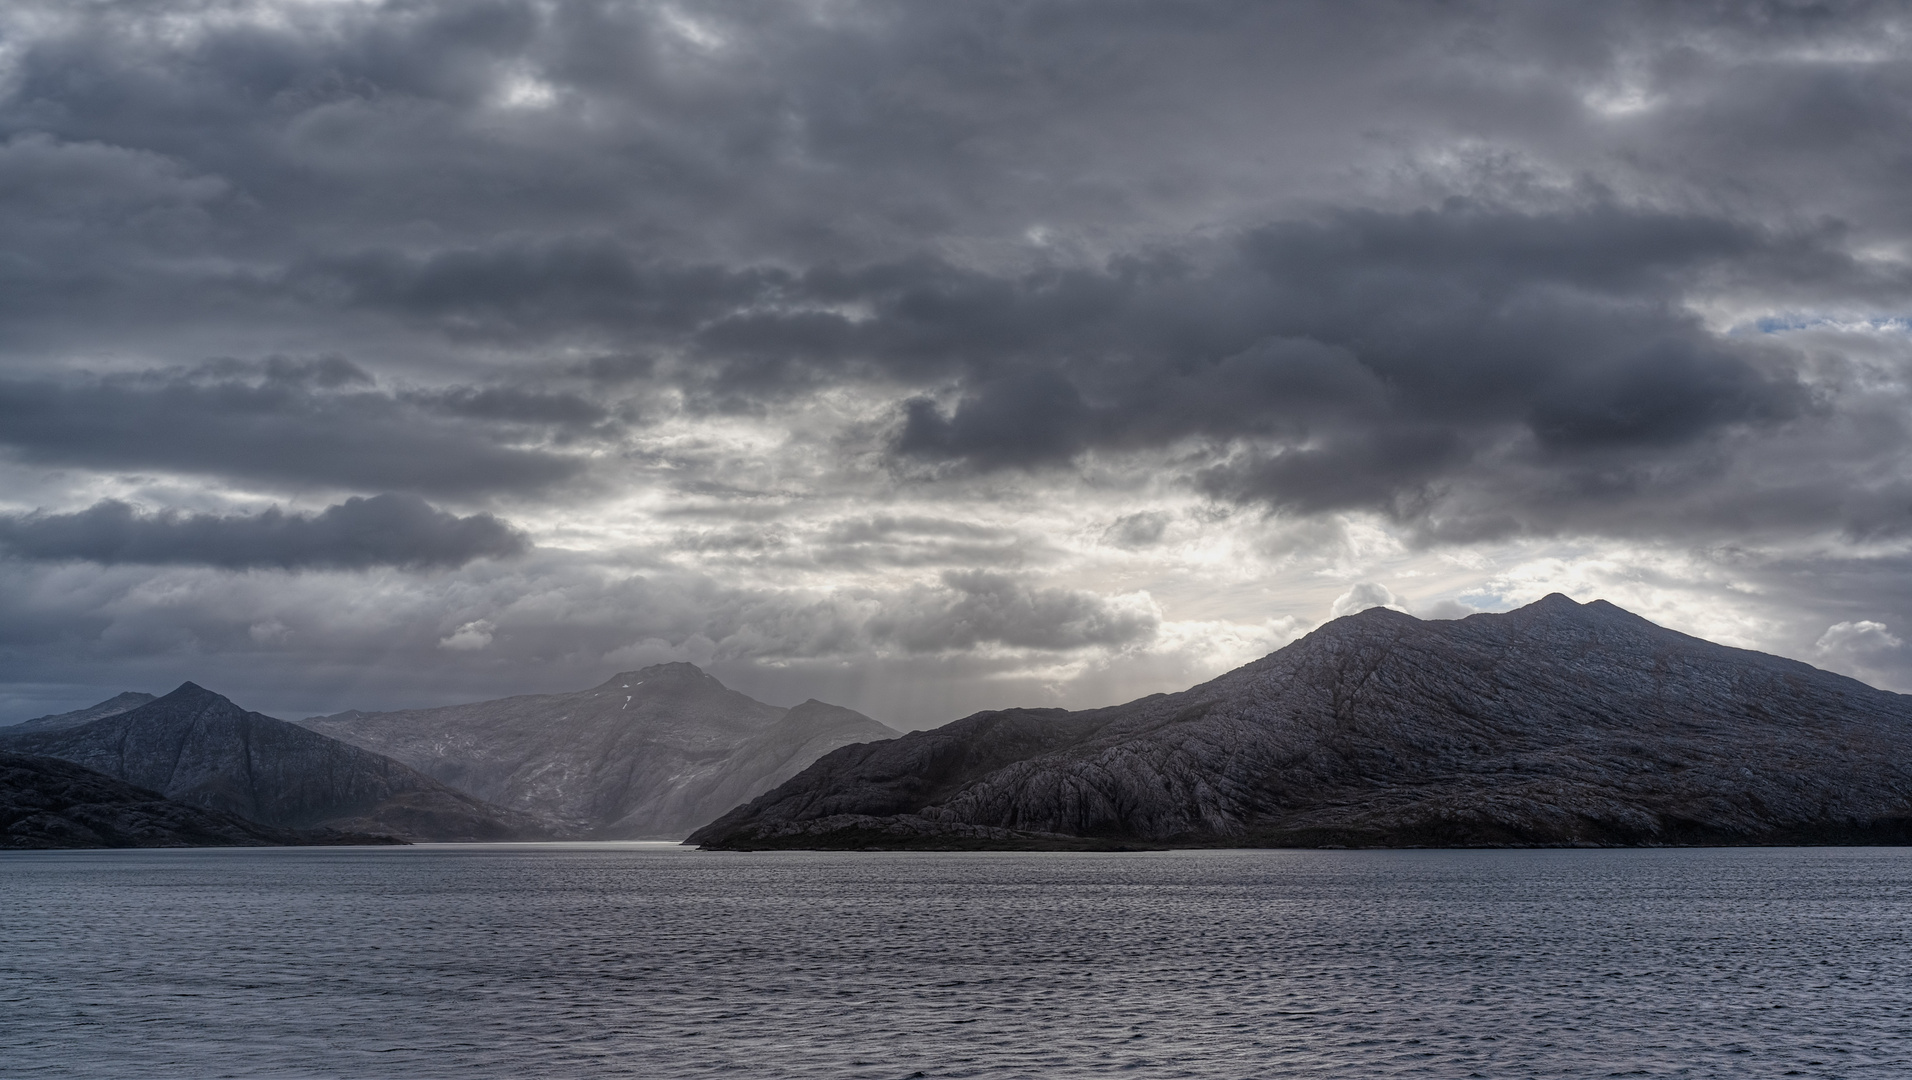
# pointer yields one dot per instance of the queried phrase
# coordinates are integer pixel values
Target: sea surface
(655, 961)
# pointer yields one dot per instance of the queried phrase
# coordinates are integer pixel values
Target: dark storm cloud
(1362, 359)
(1482, 269)
(384, 530)
(311, 424)
(539, 291)
(779, 198)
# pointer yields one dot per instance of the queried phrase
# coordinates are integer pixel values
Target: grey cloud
(359, 533)
(315, 424)
(979, 607)
(1464, 266)
(513, 404)
(1361, 597)
(540, 290)
(1033, 419)
(51, 186)
(888, 540)
(1138, 530)
(1391, 469)
(1365, 360)
(858, 542)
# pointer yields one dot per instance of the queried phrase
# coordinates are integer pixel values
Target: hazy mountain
(49, 803)
(196, 747)
(113, 706)
(648, 754)
(1554, 724)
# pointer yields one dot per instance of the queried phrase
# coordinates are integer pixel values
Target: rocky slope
(196, 747)
(1556, 724)
(49, 803)
(113, 706)
(649, 754)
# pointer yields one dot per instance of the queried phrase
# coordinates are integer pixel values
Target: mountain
(649, 754)
(1556, 724)
(197, 747)
(113, 706)
(49, 803)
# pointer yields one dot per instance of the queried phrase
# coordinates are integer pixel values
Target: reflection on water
(649, 960)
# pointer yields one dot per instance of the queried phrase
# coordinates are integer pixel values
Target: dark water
(634, 960)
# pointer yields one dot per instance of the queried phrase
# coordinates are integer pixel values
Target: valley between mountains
(1553, 725)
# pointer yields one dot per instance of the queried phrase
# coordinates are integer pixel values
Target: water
(637, 960)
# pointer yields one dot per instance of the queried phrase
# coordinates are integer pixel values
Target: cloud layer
(357, 534)
(934, 357)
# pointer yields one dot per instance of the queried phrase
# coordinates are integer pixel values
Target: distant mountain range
(648, 754)
(48, 803)
(1556, 724)
(195, 747)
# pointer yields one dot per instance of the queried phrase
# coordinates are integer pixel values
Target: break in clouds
(928, 358)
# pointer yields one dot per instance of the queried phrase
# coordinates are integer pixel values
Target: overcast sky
(931, 357)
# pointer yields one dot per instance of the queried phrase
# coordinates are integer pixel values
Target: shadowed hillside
(196, 747)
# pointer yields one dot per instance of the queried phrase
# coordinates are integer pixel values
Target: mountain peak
(677, 675)
(1554, 601)
(191, 691)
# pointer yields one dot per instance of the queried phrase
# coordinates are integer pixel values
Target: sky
(928, 358)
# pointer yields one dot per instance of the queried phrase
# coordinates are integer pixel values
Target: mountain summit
(1556, 724)
(648, 754)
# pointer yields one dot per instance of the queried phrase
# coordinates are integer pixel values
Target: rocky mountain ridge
(648, 754)
(1556, 724)
(113, 706)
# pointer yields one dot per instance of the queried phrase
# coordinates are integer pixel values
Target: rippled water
(640, 960)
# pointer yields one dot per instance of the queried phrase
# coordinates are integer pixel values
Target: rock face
(650, 754)
(48, 803)
(1557, 724)
(113, 706)
(196, 747)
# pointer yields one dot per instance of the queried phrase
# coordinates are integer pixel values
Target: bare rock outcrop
(1556, 724)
